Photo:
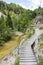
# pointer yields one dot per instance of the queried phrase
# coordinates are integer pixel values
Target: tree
(2, 29)
(9, 22)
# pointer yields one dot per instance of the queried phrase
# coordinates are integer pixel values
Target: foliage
(15, 18)
(9, 22)
(41, 28)
(17, 61)
(41, 38)
(40, 61)
(30, 32)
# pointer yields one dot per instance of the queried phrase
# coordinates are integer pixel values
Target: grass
(9, 46)
(41, 37)
(41, 28)
(40, 45)
(40, 41)
(17, 61)
(30, 32)
(40, 61)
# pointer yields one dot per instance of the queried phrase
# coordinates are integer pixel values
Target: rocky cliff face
(39, 19)
(38, 49)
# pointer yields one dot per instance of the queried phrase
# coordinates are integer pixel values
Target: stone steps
(26, 54)
(29, 60)
(28, 63)
(27, 57)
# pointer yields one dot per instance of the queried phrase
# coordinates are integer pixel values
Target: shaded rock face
(39, 19)
(38, 48)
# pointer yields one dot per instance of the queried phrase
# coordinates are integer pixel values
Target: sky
(27, 4)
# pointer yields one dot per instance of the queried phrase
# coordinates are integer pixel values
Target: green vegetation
(9, 46)
(17, 61)
(41, 28)
(14, 18)
(30, 32)
(41, 38)
(40, 61)
(40, 46)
